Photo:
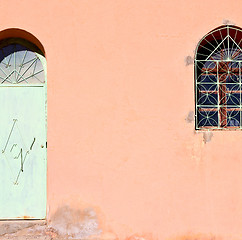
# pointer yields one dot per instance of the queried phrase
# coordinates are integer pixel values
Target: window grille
(218, 63)
(20, 62)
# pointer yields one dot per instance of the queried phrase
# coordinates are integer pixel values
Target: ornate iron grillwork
(218, 64)
(20, 64)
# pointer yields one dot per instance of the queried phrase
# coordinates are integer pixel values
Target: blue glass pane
(208, 99)
(207, 117)
(208, 78)
(233, 118)
(233, 99)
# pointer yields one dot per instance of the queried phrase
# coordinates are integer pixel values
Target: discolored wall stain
(189, 60)
(207, 136)
(228, 22)
(190, 117)
(75, 223)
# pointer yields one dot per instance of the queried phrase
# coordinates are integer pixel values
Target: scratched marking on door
(22, 154)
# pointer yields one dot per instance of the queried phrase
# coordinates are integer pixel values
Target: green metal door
(23, 152)
(22, 134)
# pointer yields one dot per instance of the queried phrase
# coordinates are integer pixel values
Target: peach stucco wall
(121, 139)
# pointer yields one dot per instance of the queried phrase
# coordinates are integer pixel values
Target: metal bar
(15, 61)
(228, 40)
(216, 49)
(27, 69)
(16, 181)
(14, 121)
(22, 165)
(240, 95)
(195, 88)
(32, 144)
(7, 77)
(22, 64)
(218, 96)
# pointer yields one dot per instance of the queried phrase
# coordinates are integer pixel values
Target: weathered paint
(76, 223)
(26, 217)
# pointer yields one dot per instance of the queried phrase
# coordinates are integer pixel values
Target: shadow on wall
(19, 33)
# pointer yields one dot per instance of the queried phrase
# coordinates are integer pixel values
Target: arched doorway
(23, 127)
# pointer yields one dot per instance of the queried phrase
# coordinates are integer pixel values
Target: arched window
(21, 62)
(218, 63)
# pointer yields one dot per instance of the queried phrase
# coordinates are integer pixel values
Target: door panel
(22, 152)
